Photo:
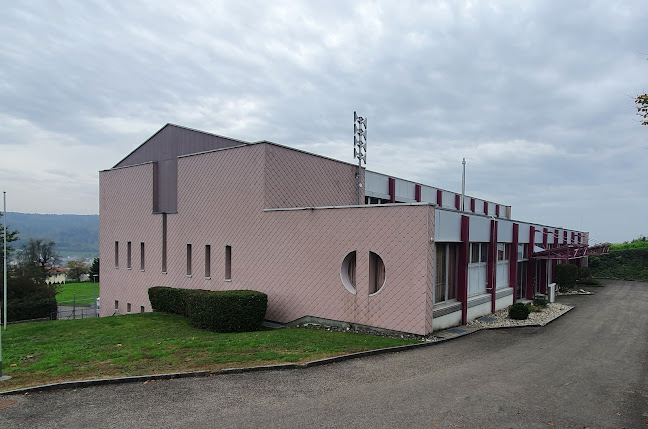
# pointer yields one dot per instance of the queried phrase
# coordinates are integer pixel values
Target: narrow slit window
(128, 307)
(207, 260)
(141, 309)
(116, 254)
(228, 262)
(142, 264)
(128, 255)
(164, 242)
(116, 305)
(188, 259)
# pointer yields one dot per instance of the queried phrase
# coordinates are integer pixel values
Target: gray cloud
(536, 95)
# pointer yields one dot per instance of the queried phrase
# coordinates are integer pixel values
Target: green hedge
(566, 275)
(227, 311)
(28, 299)
(630, 264)
(220, 311)
(168, 300)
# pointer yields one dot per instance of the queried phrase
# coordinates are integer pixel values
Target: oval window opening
(376, 273)
(348, 272)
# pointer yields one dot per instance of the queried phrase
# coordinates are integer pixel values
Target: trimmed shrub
(540, 300)
(28, 299)
(566, 275)
(227, 311)
(168, 299)
(519, 311)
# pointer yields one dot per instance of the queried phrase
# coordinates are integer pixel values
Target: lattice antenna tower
(359, 148)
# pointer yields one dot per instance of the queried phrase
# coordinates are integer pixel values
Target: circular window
(376, 273)
(348, 272)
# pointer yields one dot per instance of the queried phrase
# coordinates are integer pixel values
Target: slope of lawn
(154, 343)
(84, 293)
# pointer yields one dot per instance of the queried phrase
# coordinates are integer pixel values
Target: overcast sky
(537, 96)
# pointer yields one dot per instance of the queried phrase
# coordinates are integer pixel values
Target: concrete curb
(225, 371)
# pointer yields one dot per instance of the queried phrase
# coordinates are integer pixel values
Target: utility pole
(360, 148)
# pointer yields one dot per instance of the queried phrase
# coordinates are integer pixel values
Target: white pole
(4, 198)
(463, 185)
(4, 215)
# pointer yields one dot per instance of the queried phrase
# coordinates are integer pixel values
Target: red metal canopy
(572, 251)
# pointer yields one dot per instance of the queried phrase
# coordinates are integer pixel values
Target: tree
(37, 259)
(76, 269)
(94, 269)
(642, 107)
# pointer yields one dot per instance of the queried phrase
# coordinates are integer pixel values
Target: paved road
(586, 369)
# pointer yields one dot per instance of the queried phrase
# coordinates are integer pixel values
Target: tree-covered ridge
(70, 232)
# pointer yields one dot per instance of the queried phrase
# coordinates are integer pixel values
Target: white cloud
(536, 95)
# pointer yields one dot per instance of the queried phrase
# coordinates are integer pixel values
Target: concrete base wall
(504, 301)
(479, 311)
(446, 321)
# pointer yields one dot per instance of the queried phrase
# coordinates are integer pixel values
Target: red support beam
(497, 213)
(439, 198)
(457, 201)
(531, 264)
(417, 193)
(472, 205)
(392, 190)
(485, 207)
(462, 262)
(514, 260)
(491, 263)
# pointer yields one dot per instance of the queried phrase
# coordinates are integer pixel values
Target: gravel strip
(541, 318)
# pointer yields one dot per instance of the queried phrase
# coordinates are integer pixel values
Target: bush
(590, 282)
(566, 275)
(584, 273)
(220, 311)
(519, 311)
(28, 299)
(631, 264)
(168, 300)
(227, 311)
(540, 300)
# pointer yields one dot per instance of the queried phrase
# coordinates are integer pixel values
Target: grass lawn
(154, 343)
(84, 293)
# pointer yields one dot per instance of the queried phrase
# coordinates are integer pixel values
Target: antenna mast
(359, 148)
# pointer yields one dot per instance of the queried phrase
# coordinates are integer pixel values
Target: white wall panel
(447, 226)
(448, 199)
(376, 183)
(479, 229)
(523, 233)
(404, 190)
(428, 194)
(479, 206)
(504, 231)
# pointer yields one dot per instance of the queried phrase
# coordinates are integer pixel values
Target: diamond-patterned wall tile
(294, 256)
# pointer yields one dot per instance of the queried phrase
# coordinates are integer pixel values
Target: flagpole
(4, 216)
(4, 295)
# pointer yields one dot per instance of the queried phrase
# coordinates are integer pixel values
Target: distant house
(57, 275)
(195, 210)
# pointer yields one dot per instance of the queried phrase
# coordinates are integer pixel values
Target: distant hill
(72, 233)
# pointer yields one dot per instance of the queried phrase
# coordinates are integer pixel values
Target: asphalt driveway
(587, 369)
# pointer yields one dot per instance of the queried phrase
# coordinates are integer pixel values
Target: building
(195, 210)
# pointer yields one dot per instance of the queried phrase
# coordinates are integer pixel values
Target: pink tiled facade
(290, 219)
(234, 197)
